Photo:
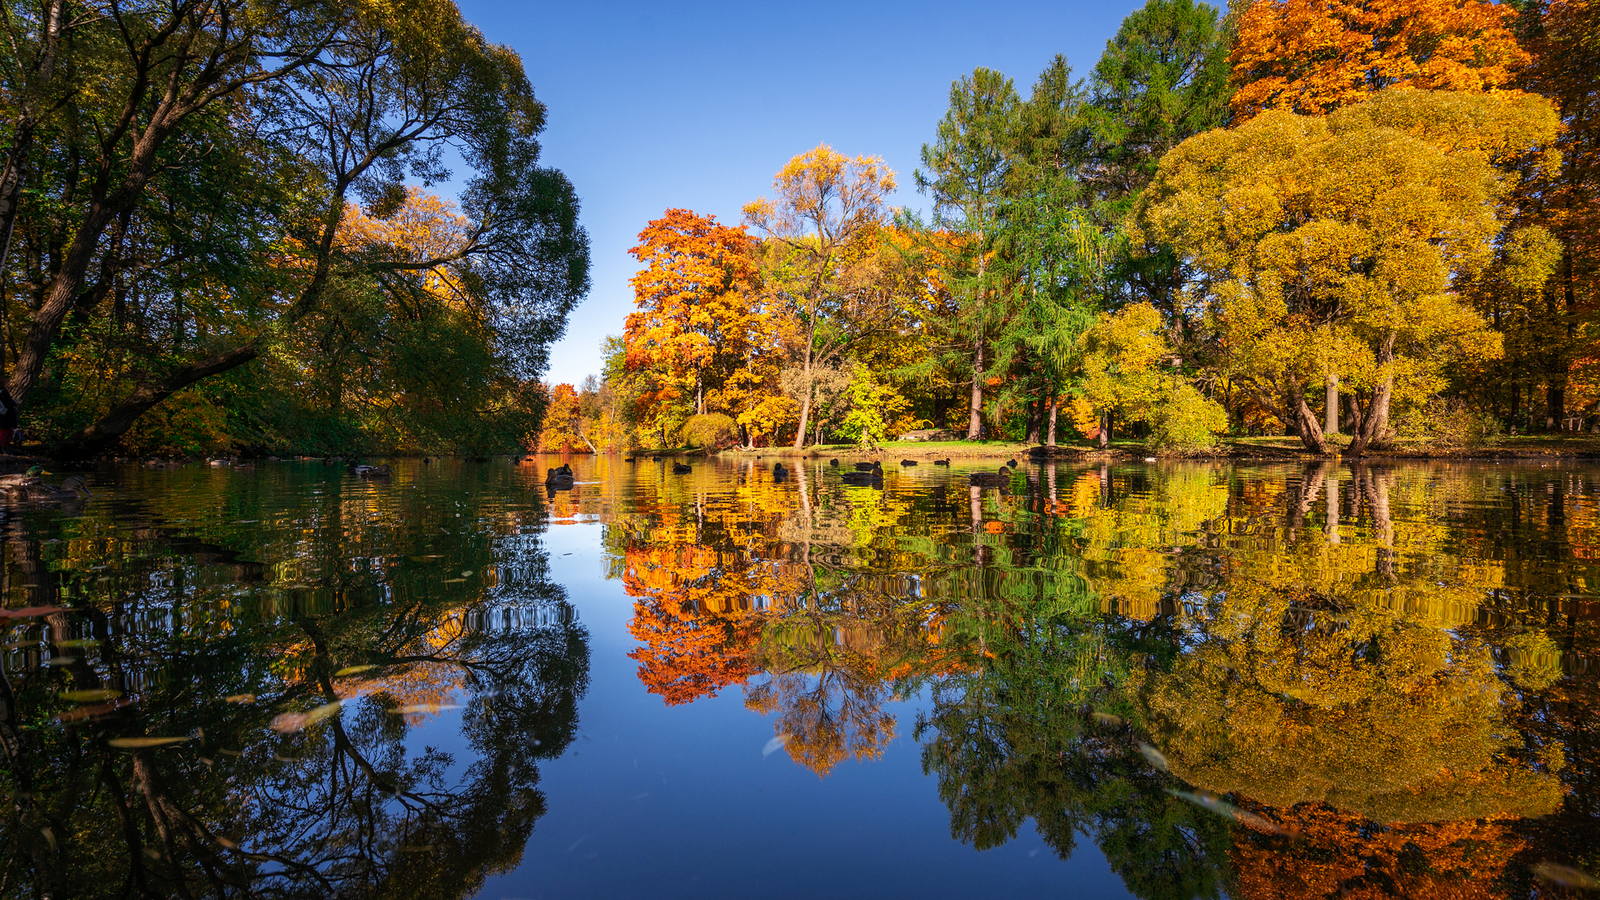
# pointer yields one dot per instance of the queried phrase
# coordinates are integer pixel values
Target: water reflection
(210, 606)
(1375, 679)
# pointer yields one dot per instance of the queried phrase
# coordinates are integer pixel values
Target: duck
(1011, 464)
(680, 469)
(998, 479)
(863, 479)
(559, 479)
(31, 486)
(941, 462)
(834, 463)
(370, 471)
(779, 473)
(868, 467)
(908, 462)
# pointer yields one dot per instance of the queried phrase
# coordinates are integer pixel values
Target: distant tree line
(1356, 223)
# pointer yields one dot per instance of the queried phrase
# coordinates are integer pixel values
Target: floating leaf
(61, 661)
(240, 698)
(78, 642)
(227, 843)
(774, 745)
(1108, 720)
(424, 708)
(138, 743)
(1212, 803)
(1566, 876)
(289, 722)
(90, 696)
(49, 836)
(1156, 757)
(353, 670)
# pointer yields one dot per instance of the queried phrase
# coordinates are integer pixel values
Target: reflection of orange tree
(1337, 854)
(693, 613)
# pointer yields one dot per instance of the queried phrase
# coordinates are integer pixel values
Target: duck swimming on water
(31, 486)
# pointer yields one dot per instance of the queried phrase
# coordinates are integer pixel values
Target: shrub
(713, 431)
(1445, 424)
(1187, 420)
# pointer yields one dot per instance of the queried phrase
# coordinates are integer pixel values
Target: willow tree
(1339, 243)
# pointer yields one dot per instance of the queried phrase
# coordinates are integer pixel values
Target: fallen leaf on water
(49, 836)
(1566, 876)
(288, 722)
(352, 670)
(61, 661)
(454, 580)
(1108, 719)
(1156, 757)
(227, 843)
(137, 743)
(1211, 802)
(90, 696)
(424, 708)
(79, 642)
(281, 758)
(774, 745)
(240, 698)
(152, 852)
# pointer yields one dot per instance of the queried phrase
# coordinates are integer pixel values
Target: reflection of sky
(656, 801)
(697, 105)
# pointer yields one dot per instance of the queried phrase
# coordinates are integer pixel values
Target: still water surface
(1163, 681)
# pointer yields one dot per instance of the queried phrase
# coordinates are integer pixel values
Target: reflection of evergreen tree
(1013, 739)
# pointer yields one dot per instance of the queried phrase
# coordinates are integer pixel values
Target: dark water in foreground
(1163, 681)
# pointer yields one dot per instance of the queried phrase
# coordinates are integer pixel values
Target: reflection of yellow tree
(1290, 697)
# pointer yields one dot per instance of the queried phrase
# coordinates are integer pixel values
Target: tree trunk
(110, 428)
(1105, 428)
(1054, 406)
(1035, 417)
(1332, 410)
(1302, 415)
(1371, 427)
(805, 402)
(1555, 405)
(975, 405)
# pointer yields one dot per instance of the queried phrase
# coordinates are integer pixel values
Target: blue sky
(660, 105)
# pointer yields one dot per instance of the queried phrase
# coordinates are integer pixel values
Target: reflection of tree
(343, 808)
(1290, 695)
(1337, 854)
(1011, 739)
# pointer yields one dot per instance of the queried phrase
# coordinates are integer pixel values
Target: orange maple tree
(1311, 56)
(699, 321)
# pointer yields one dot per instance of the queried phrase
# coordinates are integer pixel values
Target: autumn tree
(700, 318)
(1339, 243)
(1312, 57)
(1549, 329)
(820, 229)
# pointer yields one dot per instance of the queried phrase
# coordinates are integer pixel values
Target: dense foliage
(1354, 223)
(218, 232)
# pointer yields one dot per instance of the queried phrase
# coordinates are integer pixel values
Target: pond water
(1161, 681)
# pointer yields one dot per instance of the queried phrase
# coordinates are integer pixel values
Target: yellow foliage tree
(1338, 244)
